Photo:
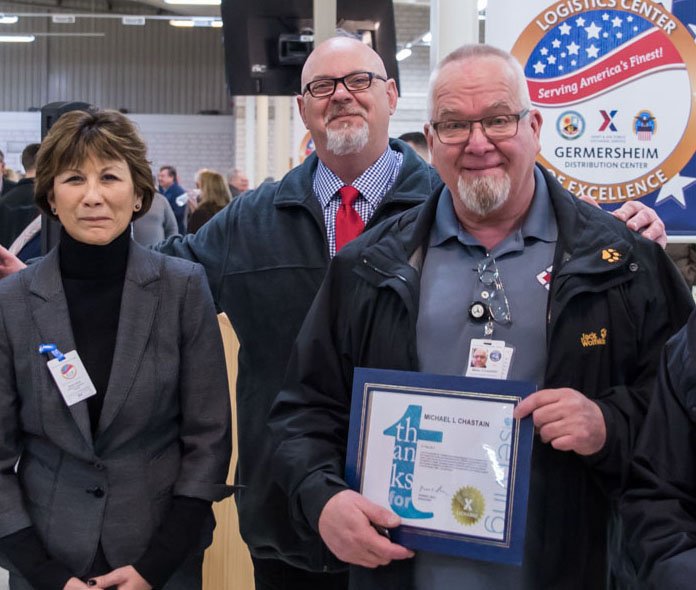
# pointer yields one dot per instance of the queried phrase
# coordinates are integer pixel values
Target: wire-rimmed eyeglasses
(354, 82)
(495, 128)
(494, 294)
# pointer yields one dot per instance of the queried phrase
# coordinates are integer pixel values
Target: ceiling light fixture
(195, 2)
(196, 22)
(138, 21)
(8, 20)
(63, 19)
(17, 38)
(403, 54)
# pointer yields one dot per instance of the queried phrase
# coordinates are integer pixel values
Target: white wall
(188, 142)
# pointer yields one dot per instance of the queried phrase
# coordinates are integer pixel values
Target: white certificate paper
(447, 456)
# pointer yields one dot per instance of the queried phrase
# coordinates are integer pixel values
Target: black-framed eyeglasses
(494, 293)
(495, 128)
(354, 82)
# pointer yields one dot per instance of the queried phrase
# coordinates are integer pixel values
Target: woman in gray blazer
(114, 407)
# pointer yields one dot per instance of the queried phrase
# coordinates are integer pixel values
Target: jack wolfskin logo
(591, 338)
(611, 255)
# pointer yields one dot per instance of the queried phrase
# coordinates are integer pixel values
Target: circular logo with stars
(609, 78)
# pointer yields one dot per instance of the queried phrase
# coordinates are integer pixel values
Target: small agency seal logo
(644, 125)
(468, 505)
(570, 125)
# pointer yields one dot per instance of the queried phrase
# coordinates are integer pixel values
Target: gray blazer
(164, 429)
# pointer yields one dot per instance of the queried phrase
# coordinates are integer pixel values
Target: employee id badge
(71, 378)
(489, 359)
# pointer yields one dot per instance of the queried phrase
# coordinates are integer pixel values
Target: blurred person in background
(157, 224)
(5, 183)
(214, 196)
(175, 193)
(237, 182)
(17, 207)
(416, 139)
(684, 256)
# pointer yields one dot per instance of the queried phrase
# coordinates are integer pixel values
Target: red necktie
(348, 222)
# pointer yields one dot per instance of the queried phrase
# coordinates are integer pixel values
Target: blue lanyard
(51, 349)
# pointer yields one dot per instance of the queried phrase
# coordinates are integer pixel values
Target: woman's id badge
(71, 378)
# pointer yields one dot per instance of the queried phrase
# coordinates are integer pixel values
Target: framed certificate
(447, 456)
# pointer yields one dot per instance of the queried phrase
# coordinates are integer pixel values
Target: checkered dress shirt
(373, 184)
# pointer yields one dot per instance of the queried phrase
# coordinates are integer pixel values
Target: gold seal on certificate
(447, 456)
(468, 505)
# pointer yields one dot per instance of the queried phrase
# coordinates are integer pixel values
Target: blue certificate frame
(446, 455)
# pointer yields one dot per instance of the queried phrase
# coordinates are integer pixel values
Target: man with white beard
(266, 255)
(503, 255)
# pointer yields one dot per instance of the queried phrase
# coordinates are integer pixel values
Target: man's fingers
(626, 211)
(534, 401)
(381, 551)
(525, 407)
(656, 233)
(377, 550)
(548, 414)
(564, 443)
(553, 430)
(572, 423)
(377, 514)
(346, 526)
(641, 218)
(386, 552)
(638, 217)
(391, 550)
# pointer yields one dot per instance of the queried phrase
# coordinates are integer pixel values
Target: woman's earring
(137, 206)
(54, 210)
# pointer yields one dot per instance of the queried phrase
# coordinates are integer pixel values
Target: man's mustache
(343, 112)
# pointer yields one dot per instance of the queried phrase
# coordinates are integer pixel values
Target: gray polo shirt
(449, 283)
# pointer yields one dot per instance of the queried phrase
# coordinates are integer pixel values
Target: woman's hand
(75, 584)
(123, 578)
(9, 264)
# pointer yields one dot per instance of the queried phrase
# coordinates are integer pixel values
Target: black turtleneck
(93, 279)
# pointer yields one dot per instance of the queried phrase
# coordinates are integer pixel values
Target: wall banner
(615, 81)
